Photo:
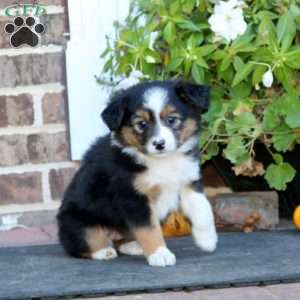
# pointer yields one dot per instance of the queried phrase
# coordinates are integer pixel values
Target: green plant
(255, 76)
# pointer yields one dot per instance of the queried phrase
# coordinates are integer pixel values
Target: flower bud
(268, 78)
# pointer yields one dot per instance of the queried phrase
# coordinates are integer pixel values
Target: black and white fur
(131, 179)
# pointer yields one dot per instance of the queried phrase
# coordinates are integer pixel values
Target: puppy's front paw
(206, 240)
(105, 254)
(162, 257)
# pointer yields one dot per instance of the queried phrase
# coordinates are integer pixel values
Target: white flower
(268, 78)
(133, 79)
(142, 21)
(228, 21)
(152, 39)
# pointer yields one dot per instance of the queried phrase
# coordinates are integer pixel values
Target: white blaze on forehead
(155, 99)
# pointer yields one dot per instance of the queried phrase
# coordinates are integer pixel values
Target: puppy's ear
(193, 94)
(113, 114)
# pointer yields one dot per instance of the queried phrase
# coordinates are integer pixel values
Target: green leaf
(211, 151)
(277, 158)
(243, 124)
(285, 75)
(293, 112)
(258, 74)
(267, 33)
(243, 41)
(295, 11)
(205, 50)
(293, 59)
(174, 7)
(187, 65)
(194, 40)
(236, 151)
(204, 137)
(193, 27)
(217, 110)
(242, 74)
(218, 55)
(197, 73)
(152, 57)
(240, 91)
(227, 75)
(266, 13)
(238, 63)
(201, 62)
(174, 64)
(282, 142)
(188, 6)
(263, 55)
(286, 30)
(170, 33)
(271, 118)
(278, 175)
(226, 63)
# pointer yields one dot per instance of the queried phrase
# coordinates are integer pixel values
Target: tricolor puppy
(131, 179)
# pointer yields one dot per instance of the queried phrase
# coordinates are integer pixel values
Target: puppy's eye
(173, 121)
(140, 126)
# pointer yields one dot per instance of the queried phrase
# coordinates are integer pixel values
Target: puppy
(131, 179)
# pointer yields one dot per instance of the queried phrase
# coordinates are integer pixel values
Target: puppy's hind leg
(99, 244)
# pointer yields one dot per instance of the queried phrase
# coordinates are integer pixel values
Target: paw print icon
(24, 31)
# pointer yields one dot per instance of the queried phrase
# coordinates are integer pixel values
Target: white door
(90, 21)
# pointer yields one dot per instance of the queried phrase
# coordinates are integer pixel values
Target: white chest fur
(169, 173)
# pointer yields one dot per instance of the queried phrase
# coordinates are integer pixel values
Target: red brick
(5, 3)
(19, 110)
(31, 69)
(13, 150)
(3, 114)
(53, 34)
(46, 147)
(20, 188)
(55, 29)
(51, 2)
(34, 148)
(59, 180)
(54, 108)
(4, 37)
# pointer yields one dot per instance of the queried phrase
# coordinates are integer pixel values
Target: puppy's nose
(159, 145)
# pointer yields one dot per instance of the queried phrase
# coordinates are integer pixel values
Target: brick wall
(35, 162)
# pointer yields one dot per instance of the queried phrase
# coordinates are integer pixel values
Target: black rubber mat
(241, 259)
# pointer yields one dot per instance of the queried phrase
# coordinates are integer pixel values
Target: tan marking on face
(144, 114)
(168, 109)
(150, 238)
(188, 130)
(142, 186)
(130, 137)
